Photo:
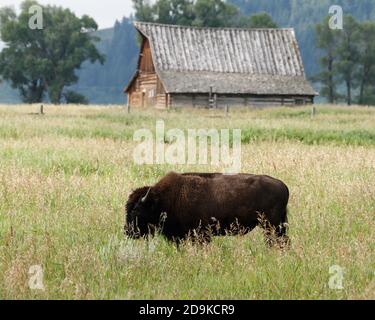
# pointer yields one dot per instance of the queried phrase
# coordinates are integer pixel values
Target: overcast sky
(105, 12)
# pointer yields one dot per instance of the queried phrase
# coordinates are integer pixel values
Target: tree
(348, 55)
(40, 61)
(366, 72)
(258, 21)
(72, 97)
(349, 58)
(143, 11)
(200, 13)
(23, 70)
(327, 40)
(214, 13)
(177, 12)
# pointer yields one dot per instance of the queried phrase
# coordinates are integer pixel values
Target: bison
(202, 205)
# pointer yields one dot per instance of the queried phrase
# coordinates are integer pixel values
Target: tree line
(199, 13)
(44, 64)
(347, 62)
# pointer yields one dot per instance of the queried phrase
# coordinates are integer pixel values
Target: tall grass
(65, 176)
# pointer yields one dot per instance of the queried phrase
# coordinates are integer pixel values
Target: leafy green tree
(144, 11)
(348, 55)
(72, 97)
(327, 41)
(348, 58)
(366, 72)
(178, 12)
(200, 13)
(23, 70)
(214, 13)
(258, 21)
(40, 61)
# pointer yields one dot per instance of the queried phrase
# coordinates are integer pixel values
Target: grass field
(65, 177)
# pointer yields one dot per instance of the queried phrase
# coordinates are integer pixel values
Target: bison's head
(142, 214)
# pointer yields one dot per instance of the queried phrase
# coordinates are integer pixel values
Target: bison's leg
(178, 242)
(269, 232)
(275, 227)
(281, 237)
(200, 236)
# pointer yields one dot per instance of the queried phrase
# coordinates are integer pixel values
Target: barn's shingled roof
(231, 60)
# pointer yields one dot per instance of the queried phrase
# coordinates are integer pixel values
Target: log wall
(200, 100)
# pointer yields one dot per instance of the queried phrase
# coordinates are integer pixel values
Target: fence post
(127, 107)
(313, 111)
(226, 110)
(41, 109)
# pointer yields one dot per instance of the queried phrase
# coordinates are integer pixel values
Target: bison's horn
(145, 197)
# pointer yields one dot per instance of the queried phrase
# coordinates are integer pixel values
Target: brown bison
(201, 205)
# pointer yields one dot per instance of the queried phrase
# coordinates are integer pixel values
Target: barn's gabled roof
(231, 60)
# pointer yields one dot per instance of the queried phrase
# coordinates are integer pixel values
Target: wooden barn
(214, 67)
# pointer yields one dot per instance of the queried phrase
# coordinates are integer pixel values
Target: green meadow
(65, 177)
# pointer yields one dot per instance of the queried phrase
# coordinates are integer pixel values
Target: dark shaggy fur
(206, 204)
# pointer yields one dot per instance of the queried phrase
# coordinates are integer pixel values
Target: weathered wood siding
(147, 89)
(199, 100)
